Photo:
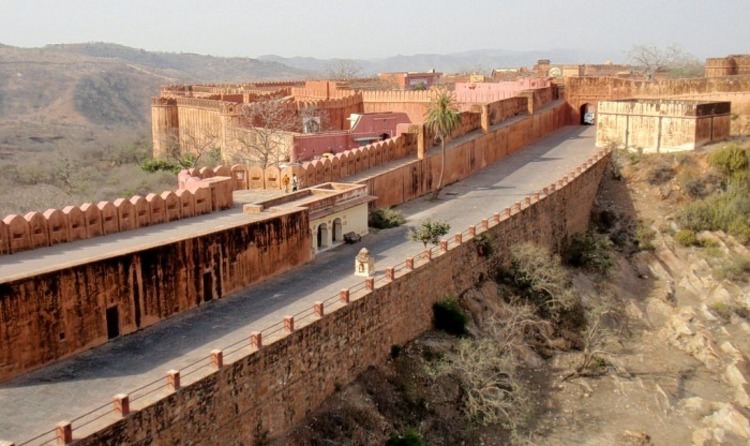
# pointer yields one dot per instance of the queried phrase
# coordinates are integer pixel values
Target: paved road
(35, 402)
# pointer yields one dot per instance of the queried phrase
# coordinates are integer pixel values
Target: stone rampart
(339, 166)
(413, 103)
(53, 226)
(291, 367)
(63, 312)
(580, 91)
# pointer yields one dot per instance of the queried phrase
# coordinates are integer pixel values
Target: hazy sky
(379, 28)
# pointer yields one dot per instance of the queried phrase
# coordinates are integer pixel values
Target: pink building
(495, 91)
(366, 128)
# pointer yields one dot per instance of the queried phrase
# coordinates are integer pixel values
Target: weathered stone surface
(63, 312)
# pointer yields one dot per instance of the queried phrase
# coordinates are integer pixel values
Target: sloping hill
(106, 84)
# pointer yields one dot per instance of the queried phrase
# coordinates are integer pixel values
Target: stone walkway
(33, 403)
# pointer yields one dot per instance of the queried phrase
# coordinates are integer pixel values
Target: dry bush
(540, 276)
(493, 392)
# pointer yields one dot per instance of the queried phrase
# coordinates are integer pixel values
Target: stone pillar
(121, 403)
(173, 379)
(256, 339)
(370, 283)
(289, 323)
(485, 118)
(319, 309)
(64, 433)
(390, 273)
(410, 263)
(472, 230)
(484, 224)
(344, 296)
(459, 238)
(421, 143)
(217, 359)
(444, 246)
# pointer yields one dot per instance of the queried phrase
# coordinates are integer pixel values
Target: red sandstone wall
(35, 230)
(416, 178)
(413, 103)
(277, 386)
(60, 313)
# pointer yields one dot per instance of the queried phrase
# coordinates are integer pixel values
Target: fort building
(657, 126)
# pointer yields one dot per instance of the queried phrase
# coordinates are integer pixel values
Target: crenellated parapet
(71, 223)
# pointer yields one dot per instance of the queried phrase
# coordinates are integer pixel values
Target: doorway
(113, 322)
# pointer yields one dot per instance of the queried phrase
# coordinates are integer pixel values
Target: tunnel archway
(588, 114)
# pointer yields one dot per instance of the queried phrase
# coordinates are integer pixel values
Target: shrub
(429, 231)
(737, 269)
(385, 218)
(727, 211)
(449, 317)
(483, 244)
(589, 250)
(731, 160)
(539, 275)
(686, 237)
(156, 165)
(409, 438)
(644, 236)
(660, 174)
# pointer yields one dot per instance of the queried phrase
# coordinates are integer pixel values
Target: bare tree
(344, 69)
(194, 146)
(265, 137)
(651, 58)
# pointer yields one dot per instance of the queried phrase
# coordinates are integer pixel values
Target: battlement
(425, 96)
(71, 223)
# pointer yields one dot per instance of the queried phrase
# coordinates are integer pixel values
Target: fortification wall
(309, 173)
(165, 125)
(71, 223)
(661, 126)
(583, 90)
(413, 103)
(144, 286)
(414, 179)
(277, 385)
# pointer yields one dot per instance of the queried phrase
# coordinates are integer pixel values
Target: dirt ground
(673, 372)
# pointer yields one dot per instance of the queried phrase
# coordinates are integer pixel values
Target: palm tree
(441, 118)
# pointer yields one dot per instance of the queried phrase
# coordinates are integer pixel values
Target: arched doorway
(588, 114)
(322, 236)
(338, 231)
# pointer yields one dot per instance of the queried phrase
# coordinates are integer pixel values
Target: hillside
(75, 119)
(106, 84)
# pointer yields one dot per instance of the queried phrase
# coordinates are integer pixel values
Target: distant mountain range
(483, 60)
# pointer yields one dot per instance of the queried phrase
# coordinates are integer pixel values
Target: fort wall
(35, 230)
(65, 311)
(663, 125)
(413, 103)
(288, 375)
(355, 161)
(590, 90)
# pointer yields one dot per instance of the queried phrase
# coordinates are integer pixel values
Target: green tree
(429, 231)
(441, 118)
